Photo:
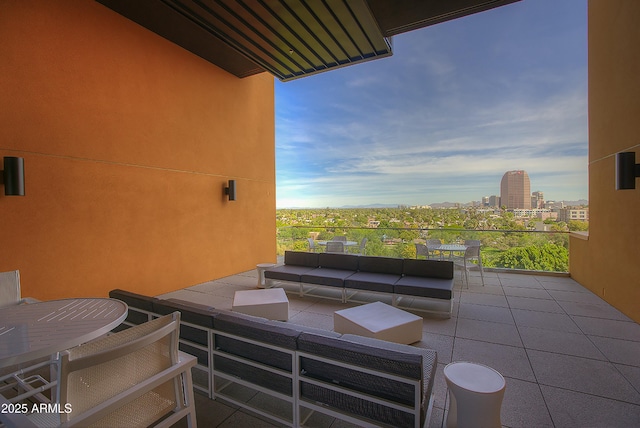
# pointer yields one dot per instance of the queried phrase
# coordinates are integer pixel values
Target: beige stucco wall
(128, 141)
(608, 263)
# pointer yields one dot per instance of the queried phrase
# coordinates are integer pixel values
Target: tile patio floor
(569, 358)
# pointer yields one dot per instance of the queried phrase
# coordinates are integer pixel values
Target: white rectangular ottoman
(379, 321)
(271, 303)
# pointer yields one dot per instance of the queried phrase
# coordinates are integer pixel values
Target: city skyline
(457, 105)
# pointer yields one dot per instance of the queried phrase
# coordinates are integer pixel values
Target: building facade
(515, 190)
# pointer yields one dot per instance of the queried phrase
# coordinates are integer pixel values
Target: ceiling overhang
(290, 38)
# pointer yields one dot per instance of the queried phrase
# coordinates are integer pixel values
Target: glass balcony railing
(528, 250)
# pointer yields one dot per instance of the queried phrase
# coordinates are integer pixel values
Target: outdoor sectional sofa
(260, 364)
(428, 279)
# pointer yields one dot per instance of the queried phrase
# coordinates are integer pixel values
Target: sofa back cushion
(134, 301)
(338, 261)
(428, 268)
(194, 313)
(301, 258)
(380, 265)
(340, 353)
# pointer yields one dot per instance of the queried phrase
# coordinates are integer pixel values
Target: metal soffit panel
(292, 38)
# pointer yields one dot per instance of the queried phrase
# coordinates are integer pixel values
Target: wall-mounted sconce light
(13, 176)
(230, 190)
(626, 170)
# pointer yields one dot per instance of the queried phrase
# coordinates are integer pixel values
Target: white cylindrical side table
(260, 268)
(475, 395)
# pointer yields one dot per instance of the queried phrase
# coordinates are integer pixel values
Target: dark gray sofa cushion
(194, 313)
(295, 264)
(287, 272)
(380, 282)
(375, 274)
(386, 358)
(301, 258)
(380, 265)
(429, 360)
(134, 301)
(435, 288)
(374, 354)
(256, 328)
(338, 261)
(326, 276)
(428, 268)
(256, 375)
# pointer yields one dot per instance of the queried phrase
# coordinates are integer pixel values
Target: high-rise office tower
(537, 200)
(515, 190)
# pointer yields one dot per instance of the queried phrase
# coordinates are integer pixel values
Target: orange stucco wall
(128, 141)
(608, 263)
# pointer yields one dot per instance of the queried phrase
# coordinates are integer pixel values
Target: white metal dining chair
(335, 247)
(432, 247)
(10, 289)
(134, 378)
(422, 250)
(312, 245)
(470, 260)
(363, 245)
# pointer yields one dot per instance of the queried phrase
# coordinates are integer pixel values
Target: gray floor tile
(631, 373)
(603, 311)
(523, 405)
(483, 299)
(545, 320)
(446, 326)
(561, 284)
(508, 360)
(560, 342)
(488, 332)
(572, 409)
(514, 280)
(594, 377)
(534, 293)
(618, 350)
(540, 305)
(442, 344)
(627, 330)
(485, 313)
(575, 296)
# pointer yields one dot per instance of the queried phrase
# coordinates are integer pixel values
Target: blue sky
(456, 106)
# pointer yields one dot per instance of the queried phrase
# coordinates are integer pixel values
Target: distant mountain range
(455, 204)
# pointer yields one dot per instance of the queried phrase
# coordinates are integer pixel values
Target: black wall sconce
(626, 170)
(230, 190)
(13, 175)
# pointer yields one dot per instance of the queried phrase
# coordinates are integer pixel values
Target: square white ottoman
(379, 321)
(271, 303)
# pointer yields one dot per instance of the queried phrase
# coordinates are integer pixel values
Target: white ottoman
(475, 395)
(380, 321)
(271, 303)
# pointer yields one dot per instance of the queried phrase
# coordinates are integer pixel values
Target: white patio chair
(335, 247)
(363, 245)
(312, 245)
(422, 250)
(134, 378)
(432, 247)
(10, 289)
(470, 260)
